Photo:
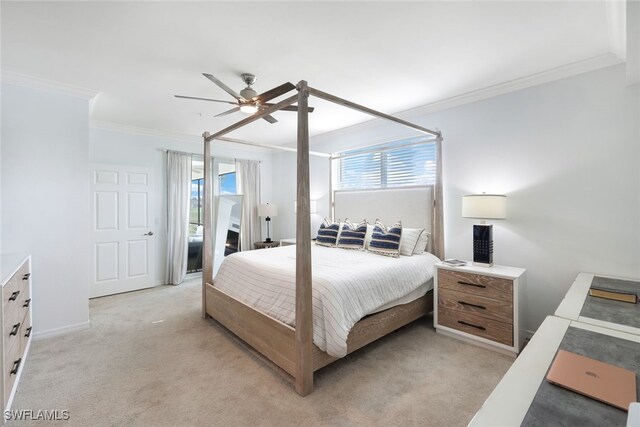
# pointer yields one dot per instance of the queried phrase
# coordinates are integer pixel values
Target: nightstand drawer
(486, 286)
(474, 304)
(479, 326)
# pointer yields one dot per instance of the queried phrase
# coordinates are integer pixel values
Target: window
(397, 164)
(227, 182)
(195, 210)
(226, 185)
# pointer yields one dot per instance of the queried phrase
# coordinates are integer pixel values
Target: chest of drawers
(480, 305)
(16, 321)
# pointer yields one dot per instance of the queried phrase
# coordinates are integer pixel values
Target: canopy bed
(289, 338)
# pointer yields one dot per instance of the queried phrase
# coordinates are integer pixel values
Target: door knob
(148, 234)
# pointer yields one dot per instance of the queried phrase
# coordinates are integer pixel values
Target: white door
(122, 228)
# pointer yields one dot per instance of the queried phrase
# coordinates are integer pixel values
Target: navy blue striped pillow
(352, 236)
(386, 242)
(328, 233)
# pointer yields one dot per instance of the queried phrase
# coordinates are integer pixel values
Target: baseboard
(50, 333)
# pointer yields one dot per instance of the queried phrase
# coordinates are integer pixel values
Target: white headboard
(413, 206)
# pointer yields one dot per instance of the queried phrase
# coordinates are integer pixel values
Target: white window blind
(400, 163)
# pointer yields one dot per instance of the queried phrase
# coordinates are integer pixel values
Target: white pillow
(423, 241)
(367, 237)
(409, 240)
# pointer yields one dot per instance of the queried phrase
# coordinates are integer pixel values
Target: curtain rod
(275, 147)
(199, 156)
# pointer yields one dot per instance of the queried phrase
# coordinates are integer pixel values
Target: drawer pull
(14, 329)
(26, 276)
(28, 334)
(14, 296)
(16, 365)
(26, 303)
(482, 307)
(482, 328)
(471, 284)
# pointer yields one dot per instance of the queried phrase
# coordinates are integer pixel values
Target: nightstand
(264, 245)
(481, 305)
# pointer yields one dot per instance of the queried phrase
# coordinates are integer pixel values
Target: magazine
(454, 262)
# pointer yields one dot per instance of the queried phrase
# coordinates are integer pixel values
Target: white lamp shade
(484, 206)
(267, 210)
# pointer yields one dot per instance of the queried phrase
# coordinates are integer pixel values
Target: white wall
(567, 155)
(125, 148)
(284, 195)
(45, 209)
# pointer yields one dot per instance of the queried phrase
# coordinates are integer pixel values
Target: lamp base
(268, 240)
(482, 264)
(483, 245)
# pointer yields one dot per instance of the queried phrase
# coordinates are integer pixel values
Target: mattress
(347, 286)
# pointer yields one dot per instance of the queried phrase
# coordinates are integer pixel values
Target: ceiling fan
(248, 101)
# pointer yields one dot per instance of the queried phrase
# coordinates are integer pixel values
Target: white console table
(509, 402)
(571, 306)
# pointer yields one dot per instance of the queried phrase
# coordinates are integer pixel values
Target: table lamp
(484, 206)
(267, 211)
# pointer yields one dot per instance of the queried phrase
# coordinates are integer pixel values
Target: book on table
(454, 262)
(614, 294)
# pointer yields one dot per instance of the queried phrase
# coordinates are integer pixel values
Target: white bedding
(347, 286)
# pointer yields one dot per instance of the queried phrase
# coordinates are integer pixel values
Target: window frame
(383, 150)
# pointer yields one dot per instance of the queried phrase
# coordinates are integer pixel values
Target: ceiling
(390, 56)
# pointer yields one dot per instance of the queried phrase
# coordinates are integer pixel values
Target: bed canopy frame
(305, 360)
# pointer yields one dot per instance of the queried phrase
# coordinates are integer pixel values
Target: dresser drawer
(477, 305)
(14, 315)
(12, 331)
(26, 331)
(479, 326)
(13, 360)
(16, 291)
(486, 286)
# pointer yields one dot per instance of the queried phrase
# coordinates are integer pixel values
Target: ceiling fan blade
(205, 99)
(270, 119)
(224, 87)
(274, 93)
(233, 110)
(289, 108)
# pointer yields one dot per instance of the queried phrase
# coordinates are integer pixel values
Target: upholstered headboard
(413, 206)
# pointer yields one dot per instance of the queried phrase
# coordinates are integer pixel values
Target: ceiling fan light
(248, 108)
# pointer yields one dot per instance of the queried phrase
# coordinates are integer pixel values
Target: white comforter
(347, 285)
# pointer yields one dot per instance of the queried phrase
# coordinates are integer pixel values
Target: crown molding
(173, 136)
(18, 79)
(557, 73)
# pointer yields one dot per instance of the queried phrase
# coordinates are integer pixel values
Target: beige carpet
(149, 359)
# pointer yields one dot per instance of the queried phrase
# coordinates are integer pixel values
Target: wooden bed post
(207, 235)
(304, 303)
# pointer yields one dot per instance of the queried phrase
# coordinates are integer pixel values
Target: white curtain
(248, 183)
(178, 189)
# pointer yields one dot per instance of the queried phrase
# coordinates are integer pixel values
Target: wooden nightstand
(264, 245)
(481, 305)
